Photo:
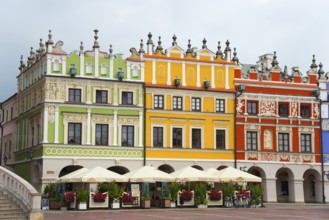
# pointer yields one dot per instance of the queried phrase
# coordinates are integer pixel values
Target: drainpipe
(144, 125)
(2, 119)
(240, 89)
(317, 96)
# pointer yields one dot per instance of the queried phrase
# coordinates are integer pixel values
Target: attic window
(135, 71)
(103, 69)
(56, 65)
(88, 68)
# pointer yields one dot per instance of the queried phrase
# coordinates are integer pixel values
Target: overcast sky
(296, 29)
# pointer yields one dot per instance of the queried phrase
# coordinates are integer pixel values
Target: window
(127, 98)
(283, 110)
(74, 136)
(56, 66)
(196, 138)
(177, 103)
(135, 71)
(251, 140)
(102, 134)
(220, 105)
(252, 108)
(74, 95)
(177, 138)
(157, 136)
(305, 142)
(103, 69)
(196, 104)
(101, 96)
(283, 142)
(305, 111)
(220, 139)
(89, 68)
(127, 136)
(158, 101)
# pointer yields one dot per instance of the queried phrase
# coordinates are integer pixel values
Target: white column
(150, 49)
(142, 72)
(183, 74)
(168, 73)
(128, 71)
(296, 188)
(82, 64)
(88, 125)
(140, 129)
(96, 62)
(198, 75)
(48, 65)
(227, 86)
(270, 190)
(299, 109)
(312, 116)
(115, 94)
(115, 128)
(56, 125)
(111, 68)
(212, 76)
(153, 72)
(63, 66)
(45, 125)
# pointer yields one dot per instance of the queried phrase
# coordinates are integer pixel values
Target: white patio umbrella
(67, 178)
(230, 174)
(190, 174)
(148, 174)
(96, 175)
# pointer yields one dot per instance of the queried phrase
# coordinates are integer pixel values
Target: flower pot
(201, 206)
(165, 203)
(146, 204)
(54, 205)
(115, 205)
(82, 206)
(172, 204)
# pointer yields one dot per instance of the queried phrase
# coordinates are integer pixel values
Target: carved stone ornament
(267, 108)
(252, 155)
(239, 106)
(51, 113)
(293, 110)
(102, 118)
(316, 110)
(269, 156)
(295, 158)
(268, 139)
(74, 117)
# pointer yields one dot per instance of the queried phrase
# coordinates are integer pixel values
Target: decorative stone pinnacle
(141, 50)
(96, 45)
(22, 65)
(204, 41)
(227, 46)
(274, 62)
(321, 72)
(219, 52)
(174, 40)
(149, 41)
(159, 47)
(50, 41)
(111, 50)
(313, 65)
(81, 46)
(235, 58)
(189, 47)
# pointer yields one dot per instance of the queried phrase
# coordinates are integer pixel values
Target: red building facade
(278, 130)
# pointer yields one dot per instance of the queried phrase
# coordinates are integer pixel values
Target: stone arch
(68, 169)
(119, 169)
(312, 186)
(197, 167)
(257, 171)
(285, 185)
(166, 168)
(221, 167)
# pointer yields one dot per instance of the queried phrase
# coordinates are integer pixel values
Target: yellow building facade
(189, 106)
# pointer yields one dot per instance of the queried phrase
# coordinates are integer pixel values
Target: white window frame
(103, 69)
(127, 90)
(89, 68)
(163, 135)
(108, 95)
(258, 139)
(201, 104)
(225, 104)
(135, 69)
(183, 135)
(135, 134)
(202, 136)
(226, 137)
(300, 144)
(56, 66)
(172, 102)
(290, 141)
(78, 87)
(164, 101)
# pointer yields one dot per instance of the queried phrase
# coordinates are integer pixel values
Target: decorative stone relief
(252, 156)
(283, 128)
(267, 108)
(51, 113)
(316, 111)
(308, 158)
(74, 117)
(102, 118)
(128, 120)
(293, 110)
(325, 125)
(269, 156)
(295, 158)
(239, 106)
(268, 139)
(284, 157)
(251, 127)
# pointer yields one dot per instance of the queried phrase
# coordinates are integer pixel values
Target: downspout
(144, 125)
(2, 119)
(240, 89)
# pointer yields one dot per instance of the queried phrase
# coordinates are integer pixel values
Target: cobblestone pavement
(271, 211)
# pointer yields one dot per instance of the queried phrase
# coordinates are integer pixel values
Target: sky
(295, 29)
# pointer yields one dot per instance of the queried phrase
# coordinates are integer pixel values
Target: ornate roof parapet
(149, 44)
(41, 49)
(275, 63)
(321, 72)
(189, 48)
(141, 49)
(285, 74)
(314, 66)
(96, 45)
(135, 56)
(227, 51)
(159, 47)
(50, 42)
(235, 58)
(219, 53)
(253, 73)
(22, 64)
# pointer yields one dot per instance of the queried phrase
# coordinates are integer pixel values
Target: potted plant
(99, 197)
(200, 192)
(256, 192)
(146, 199)
(186, 197)
(165, 200)
(70, 198)
(214, 197)
(53, 197)
(115, 193)
(228, 194)
(82, 198)
(174, 189)
(127, 199)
